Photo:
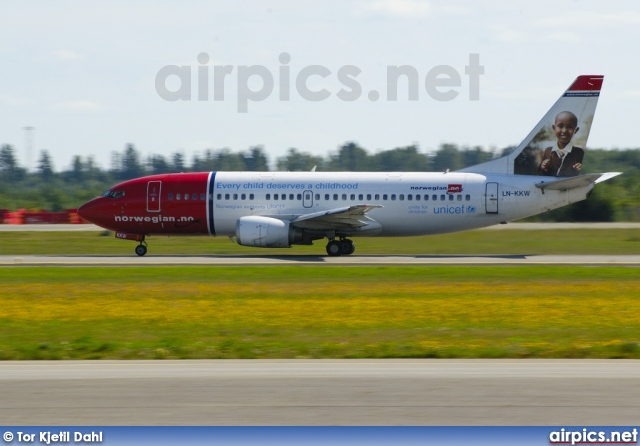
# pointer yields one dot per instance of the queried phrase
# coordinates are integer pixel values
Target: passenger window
(202, 197)
(467, 197)
(268, 197)
(368, 197)
(235, 196)
(450, 197)
(344, 197)
(377, 197)
(275, 196)
(317, 196)
(353, 197)
(417, 197)
(410, 197)
(251, 196)
(393, 197)
(360, 197)
(291, 196)
(299, 196)
(326, 197)
(219, 196)
(401, 197)
(426, 197)
(434, 197)
(227, 196)
(284, 197)
(443, 197)
(384, 197)
(194, 196)
(170, 196)
(335, 197)
(178, 196)
(243, 196)
(459, 197)
(186, 196)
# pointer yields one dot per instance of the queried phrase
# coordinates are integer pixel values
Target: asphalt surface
(526, 226)
(355, 260)
(321, 392)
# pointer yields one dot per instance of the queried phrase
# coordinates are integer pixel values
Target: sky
(167, 76)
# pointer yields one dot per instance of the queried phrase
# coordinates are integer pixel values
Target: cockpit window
(113, 194)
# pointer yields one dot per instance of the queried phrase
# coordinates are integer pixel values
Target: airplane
(281, 209)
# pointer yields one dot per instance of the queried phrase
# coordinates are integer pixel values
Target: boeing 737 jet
(281, 209)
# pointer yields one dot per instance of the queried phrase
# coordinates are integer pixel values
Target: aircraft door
(307, 198)
(153, 196)
(491, 198)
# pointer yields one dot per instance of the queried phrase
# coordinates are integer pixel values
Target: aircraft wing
(345, 218)
(579, 181)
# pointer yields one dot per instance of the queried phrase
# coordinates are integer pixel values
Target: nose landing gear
(343, 247)
(141, 249)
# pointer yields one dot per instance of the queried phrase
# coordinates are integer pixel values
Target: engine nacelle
(265, 232)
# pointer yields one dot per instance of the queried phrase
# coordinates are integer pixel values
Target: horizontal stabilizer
(574, 182)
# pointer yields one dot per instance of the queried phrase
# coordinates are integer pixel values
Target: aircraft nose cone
(88, 211)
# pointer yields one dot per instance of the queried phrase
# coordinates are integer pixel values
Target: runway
(321, 392)
(509, 226)
(355, 260)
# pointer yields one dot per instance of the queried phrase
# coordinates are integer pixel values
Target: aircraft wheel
(141, 250)
(347, 247)
(334, 248)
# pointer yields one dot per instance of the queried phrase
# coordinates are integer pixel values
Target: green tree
(447, 157)
(401, 159)
(350, 157)
(256, 160)
(9, 168)
(131, 166)
(296, 161)
(157, 164)
(77, 169)
(471, 157)
(45, 166)
(177, 163)
(223, 159)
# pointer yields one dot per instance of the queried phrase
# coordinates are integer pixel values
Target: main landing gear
(342, 247)
(141, 249)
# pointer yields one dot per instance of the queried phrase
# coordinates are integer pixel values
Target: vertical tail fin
(560, 137)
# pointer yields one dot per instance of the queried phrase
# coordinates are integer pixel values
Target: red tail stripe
(587, 83)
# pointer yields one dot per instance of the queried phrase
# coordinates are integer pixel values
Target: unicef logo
(471, 209)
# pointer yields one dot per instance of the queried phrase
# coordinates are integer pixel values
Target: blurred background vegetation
(52, 190)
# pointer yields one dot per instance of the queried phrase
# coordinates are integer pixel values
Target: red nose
(93, 211)
(86, 211)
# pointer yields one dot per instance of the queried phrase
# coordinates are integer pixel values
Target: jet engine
(266, 232)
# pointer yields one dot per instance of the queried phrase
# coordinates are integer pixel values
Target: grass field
(513, 241)
(319, 312)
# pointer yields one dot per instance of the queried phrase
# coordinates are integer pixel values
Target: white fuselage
(412, 203)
